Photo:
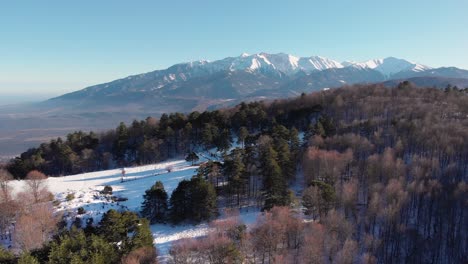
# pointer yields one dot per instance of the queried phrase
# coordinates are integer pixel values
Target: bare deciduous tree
(35, 180)
(5, 192)
(348, 253)
(145, 255)
(35, 226)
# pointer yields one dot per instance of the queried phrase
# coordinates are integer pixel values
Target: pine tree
(274, 183)
(325, 127)
(187, 137)
(294, 143)
(154, 206)
(179, 202)
(203, 199)
(193, 200)
(6, 256)
(234, 168)
(242, 135)
(115, 226)
(75, 247)
(285, 160)
(26, 258)
(120, 143)
(318, 198)
(143, 236)
(224, 140)
(318, 129)
(209, 133)
(192, 157)
(280, 133)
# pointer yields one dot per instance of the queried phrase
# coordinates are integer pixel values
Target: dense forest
(382, 176)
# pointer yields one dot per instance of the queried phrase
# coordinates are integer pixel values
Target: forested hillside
(362, 174)
(385, 182)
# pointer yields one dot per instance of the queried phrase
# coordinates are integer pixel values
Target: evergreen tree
(193, 200)
(170, 138)
(234, 168)
(242, 135)
(26, 258)
(224, 140)
(192, 157)
(6, 257)
(285, 160)
(318, 129)
(120, 143)
(294, 143)
(187, 137)
(210, 171)
(318, 198)
(75, 247)
(280, 133)
(274, 183)
(154, 206)
(209, 134)
(142, 236)
(325, 127)
(203, 197)
(180, 203)
(115, 226)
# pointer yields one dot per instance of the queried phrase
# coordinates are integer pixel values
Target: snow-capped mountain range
(388, 66)
(203, 84)
(290, 64)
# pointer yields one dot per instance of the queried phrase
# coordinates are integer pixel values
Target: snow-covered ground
(86, 190)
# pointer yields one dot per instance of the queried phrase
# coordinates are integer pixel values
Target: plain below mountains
(202, 85)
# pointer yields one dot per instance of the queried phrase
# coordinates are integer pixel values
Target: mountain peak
(388, 65)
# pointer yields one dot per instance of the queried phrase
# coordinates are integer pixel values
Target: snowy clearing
(86, 190)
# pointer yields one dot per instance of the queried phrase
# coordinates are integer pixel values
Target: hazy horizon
(11, 99)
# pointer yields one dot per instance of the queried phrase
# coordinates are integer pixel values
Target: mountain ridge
(280, 67)
(246, 77)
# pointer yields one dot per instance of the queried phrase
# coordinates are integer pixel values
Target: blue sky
(52, 47)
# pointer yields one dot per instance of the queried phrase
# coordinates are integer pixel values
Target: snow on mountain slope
(282, 62)
(289, 64)
(317, 63)
(388, 66)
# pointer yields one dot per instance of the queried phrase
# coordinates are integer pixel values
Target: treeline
(153, 140)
